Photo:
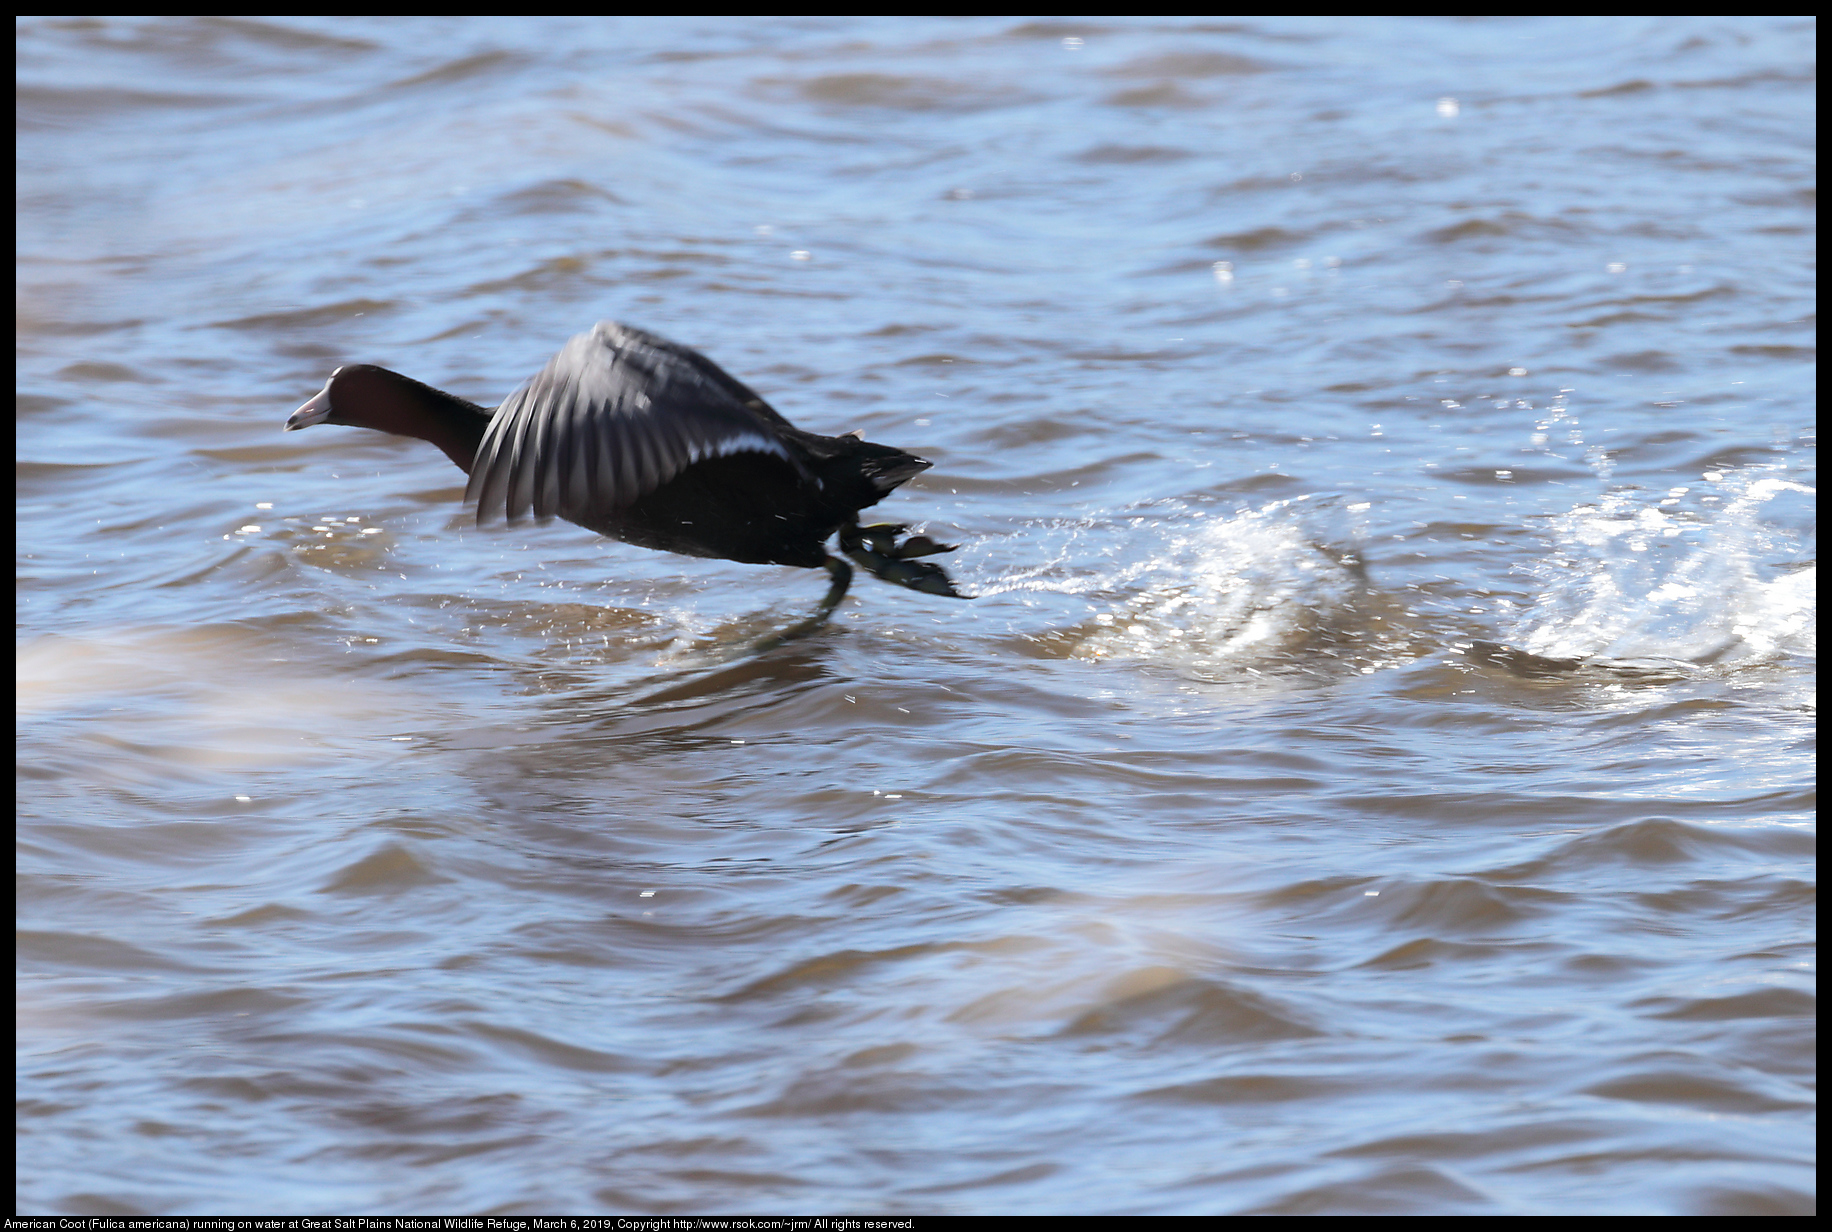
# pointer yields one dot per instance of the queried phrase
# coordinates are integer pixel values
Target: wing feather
(615, 415)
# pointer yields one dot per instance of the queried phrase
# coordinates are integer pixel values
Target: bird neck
(377, 398)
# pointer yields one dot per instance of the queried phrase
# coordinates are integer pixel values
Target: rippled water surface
(1375, 774)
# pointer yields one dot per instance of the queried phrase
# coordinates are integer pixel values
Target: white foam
(1703, 574)
(1237, 592)
(1215, 597)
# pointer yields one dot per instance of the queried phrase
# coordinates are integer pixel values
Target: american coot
(650, 442)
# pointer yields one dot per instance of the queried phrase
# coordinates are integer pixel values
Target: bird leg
(842, 578)
(884, 559)
(875, 548)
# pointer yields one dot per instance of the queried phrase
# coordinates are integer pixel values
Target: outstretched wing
(614, 416)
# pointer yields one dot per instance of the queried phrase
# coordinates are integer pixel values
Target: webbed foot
(922, 545)
(875, 549)
(883, 540)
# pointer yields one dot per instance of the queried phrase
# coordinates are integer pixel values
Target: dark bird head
(365, 396)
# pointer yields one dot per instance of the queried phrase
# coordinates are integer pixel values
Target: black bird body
(644, 440)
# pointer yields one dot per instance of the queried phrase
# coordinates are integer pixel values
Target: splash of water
(1207, 595)
(1707, 574)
